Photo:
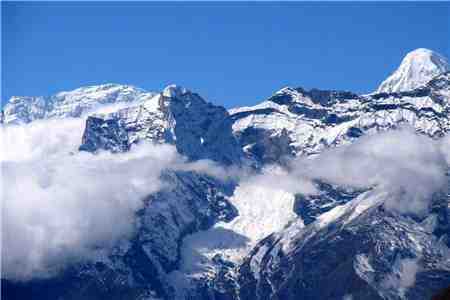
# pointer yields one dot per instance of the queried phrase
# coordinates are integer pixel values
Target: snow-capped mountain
(417, 68)
(22, 110)
(210, 238)
(295, 121)
(177, 116)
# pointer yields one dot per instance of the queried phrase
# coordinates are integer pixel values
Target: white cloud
(410, 167)
(61, 205)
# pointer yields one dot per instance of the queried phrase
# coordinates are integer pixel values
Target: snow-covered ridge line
(306, 122)
(72, 104)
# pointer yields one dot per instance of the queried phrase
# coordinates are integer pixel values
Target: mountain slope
(360, 250)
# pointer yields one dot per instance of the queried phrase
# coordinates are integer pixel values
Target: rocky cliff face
(177, 116)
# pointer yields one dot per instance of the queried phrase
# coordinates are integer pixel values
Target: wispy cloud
(403, 275)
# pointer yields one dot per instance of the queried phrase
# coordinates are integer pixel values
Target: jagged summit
(177, 116)
(174, 91)
(417, 68)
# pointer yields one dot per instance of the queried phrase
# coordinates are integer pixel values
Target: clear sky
(231, 53)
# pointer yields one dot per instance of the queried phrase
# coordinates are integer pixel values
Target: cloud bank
(410, 167)
(61, 206)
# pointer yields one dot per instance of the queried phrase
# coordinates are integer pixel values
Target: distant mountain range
(200, 237)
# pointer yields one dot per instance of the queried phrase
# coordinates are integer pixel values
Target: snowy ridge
(74, 104)
(306, 122)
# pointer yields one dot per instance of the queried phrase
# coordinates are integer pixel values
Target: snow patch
(262, 210)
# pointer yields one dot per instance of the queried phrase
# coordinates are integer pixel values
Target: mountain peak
(174, 91)
(417, 68)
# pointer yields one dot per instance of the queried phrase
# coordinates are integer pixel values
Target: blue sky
(231, 53)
